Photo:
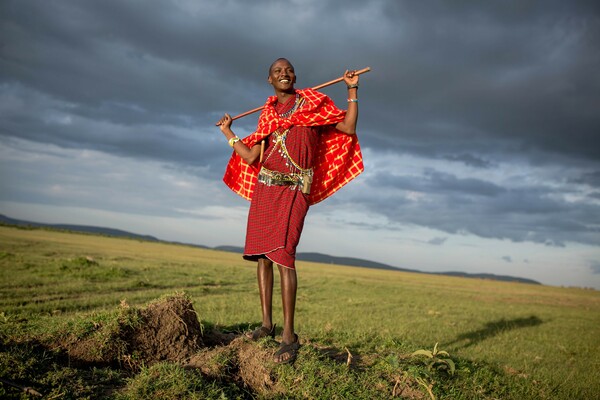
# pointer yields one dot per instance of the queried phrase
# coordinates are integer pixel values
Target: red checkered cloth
(338, 159)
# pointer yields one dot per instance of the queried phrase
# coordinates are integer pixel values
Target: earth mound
(166, 330)
(169, 330)
(249, 364)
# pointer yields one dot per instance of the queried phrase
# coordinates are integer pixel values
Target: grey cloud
(463, 78)
(447, 203)
(437, 181)
(588, 178)
(437, 241)
(508, 259)
(470, 160)
(38, 118)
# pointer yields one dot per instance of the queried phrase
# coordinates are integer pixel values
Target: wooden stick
(322, 85)
(341, 78)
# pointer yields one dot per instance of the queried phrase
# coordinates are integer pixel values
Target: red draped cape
(338, 158)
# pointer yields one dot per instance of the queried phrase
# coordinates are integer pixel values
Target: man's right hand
(225, 123)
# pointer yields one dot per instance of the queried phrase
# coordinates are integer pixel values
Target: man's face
(282, 75)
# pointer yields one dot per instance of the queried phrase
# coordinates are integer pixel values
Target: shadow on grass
(491, 329)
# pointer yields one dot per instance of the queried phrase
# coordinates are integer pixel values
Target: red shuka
(338, 158)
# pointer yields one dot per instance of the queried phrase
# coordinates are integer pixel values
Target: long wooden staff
(322, 85)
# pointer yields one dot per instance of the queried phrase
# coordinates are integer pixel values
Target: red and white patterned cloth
(338, 158)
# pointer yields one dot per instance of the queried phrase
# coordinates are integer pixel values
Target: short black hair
(279, 59)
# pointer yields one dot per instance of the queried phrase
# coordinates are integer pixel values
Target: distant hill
(311, 257)
(494, 277)
(358, 262)
(350, 261)
(327, 259)
(78, 228)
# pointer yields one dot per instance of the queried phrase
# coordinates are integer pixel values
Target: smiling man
(304, 149)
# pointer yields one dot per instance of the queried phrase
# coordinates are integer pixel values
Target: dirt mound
(250, 364)
(170, 330)
(166, 330)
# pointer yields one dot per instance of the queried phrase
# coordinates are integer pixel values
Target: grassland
(508, 340)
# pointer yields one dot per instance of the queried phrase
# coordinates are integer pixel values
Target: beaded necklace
(279, 138)
(292, 110)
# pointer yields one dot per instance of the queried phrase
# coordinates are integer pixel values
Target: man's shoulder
(314, 97)
(310, 92)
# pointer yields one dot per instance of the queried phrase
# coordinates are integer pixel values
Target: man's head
(281, 75)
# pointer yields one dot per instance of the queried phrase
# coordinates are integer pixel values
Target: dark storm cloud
(436, 181)
(442, 201)
(477, 84)
(470, 160)
(588, 178)
(460, 77)
(521, 77)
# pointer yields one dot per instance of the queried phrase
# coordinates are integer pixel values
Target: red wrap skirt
(277, 213)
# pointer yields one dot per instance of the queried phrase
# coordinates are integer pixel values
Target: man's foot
(261, 332)
(287, 352)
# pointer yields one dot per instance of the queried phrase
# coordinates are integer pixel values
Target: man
(310, 151)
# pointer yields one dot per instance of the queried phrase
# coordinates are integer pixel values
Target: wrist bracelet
(352, 100)
(233, 141)
(353, 86)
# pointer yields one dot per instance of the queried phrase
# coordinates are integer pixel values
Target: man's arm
(249, 155)
(348, 125)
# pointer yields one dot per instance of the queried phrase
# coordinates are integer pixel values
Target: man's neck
(282, 97)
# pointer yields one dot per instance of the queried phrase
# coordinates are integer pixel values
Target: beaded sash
(301, 179)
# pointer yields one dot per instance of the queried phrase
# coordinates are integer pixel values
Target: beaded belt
(301, 180)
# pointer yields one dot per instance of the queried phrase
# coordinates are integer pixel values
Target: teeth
(285, 81)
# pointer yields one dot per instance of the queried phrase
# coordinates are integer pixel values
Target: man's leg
(289, 285)
(264, 273)
(289, 344)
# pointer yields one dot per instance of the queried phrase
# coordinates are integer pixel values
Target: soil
(166, 330)
(250, 364)
(170, 331)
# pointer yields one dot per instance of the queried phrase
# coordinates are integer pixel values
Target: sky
(479, 124)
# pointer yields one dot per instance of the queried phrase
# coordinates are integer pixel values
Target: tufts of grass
(170, 381)
(30, 364)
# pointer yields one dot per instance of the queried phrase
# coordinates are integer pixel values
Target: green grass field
(507, 340)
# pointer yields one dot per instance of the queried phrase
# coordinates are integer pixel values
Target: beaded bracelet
(352, 100)
(233, 140)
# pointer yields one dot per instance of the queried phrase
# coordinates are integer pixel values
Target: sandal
(290, 348)
(261, 332)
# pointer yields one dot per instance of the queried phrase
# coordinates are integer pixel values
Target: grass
(508, 340)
